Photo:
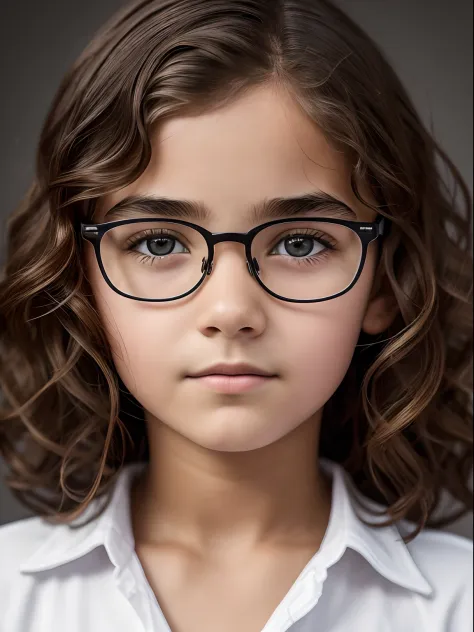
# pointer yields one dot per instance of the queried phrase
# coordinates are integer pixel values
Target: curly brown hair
(401, 420)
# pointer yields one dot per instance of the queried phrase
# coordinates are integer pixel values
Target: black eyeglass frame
(366, 231)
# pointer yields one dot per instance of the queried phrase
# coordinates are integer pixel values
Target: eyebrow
(313, 203)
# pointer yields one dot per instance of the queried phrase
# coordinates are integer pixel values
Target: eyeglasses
(305, 260)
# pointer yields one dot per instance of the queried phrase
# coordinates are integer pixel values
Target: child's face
(261, 146)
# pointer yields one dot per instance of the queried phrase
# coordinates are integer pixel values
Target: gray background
(429, 43)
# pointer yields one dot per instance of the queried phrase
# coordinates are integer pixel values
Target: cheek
(321, 341)
(143, 346)
(140, 335)
(320, 353)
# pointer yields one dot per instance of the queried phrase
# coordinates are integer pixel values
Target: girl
(237, 189)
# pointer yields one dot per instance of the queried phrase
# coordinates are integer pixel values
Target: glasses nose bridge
(241, 238)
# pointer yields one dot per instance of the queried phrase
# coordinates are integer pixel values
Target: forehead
(258, 147)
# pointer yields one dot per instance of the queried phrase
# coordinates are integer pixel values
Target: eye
(299, 246)
(158, 243)
(303, 242)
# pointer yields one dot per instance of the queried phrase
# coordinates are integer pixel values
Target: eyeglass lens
(298, 260)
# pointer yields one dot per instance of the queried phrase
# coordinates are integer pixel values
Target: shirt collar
(382, 547)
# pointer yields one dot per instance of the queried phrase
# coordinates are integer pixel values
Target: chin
(237, 437)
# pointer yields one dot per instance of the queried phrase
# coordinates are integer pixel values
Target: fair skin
(233, 505)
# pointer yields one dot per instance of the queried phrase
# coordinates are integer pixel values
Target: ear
(380, 313)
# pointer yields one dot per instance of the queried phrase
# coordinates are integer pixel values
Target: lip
(241, 368)
(232, 383)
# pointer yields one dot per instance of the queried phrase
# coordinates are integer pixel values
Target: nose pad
(209, 267)
(205, 265)
(256, 266)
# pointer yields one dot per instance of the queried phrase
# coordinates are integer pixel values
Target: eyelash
(322, 238)
(136, 239)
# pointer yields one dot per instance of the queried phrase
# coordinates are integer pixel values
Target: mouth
(230, 384)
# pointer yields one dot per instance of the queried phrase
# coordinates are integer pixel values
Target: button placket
(127, 585)
(309, 597)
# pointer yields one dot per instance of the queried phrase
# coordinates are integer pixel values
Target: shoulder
(442, 556)
(448, 542)
(446, 562)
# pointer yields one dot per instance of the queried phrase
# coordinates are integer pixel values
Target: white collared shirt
(362, 579)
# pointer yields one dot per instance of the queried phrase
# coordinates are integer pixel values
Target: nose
(230, 304)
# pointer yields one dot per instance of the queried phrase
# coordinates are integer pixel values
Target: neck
(208, 499)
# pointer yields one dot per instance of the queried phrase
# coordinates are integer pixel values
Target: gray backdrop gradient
(429, 43)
